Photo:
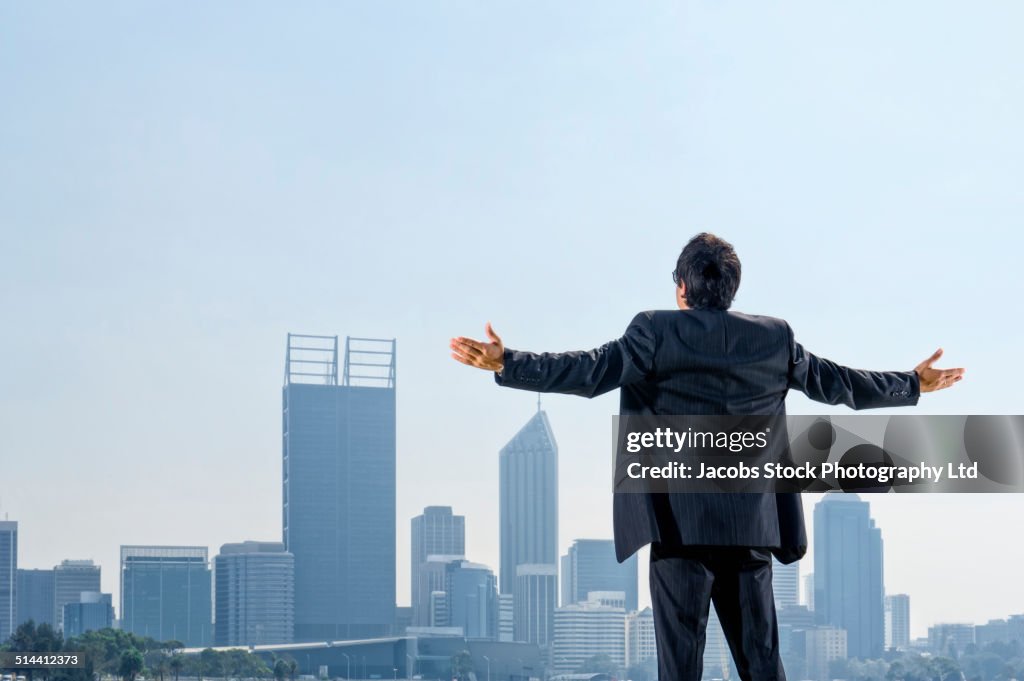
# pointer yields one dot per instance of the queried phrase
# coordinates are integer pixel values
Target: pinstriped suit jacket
(699, 362)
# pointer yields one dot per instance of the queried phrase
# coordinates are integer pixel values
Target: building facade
(897, 622)
(166, 593)
(70, 580)
(785, 584)
(437, 531)
(471, 599)
(254, 594)
(35, 597)
(823, 645)
(528, 500)
(808, 591)
(641, 646)
(848, 579)
(534, 601)
(506, 618)
(950, 639)
(338, 485)
(8, 577)
(590, 565)
(585, 629)
(92, 611)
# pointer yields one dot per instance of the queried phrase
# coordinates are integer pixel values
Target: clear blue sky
(182, 183)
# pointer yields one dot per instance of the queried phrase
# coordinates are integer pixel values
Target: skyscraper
(70, 579)
(339, 485)
(785, 584)
(528, 499)
(254, 594)
(848, 583)
(8, 577)
(437, 532)
(897, 622)
(165, 593)
(590, 565)
(35, 597)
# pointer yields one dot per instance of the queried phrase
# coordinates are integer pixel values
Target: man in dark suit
(704, 360)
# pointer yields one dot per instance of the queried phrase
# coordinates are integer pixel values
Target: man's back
(712, 362)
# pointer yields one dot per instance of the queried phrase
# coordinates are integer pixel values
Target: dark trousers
(685, 580)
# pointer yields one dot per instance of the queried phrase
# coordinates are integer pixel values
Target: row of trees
(111, 652)
(998, 661)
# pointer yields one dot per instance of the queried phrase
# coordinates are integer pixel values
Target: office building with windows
(338, 480)
(166, 593)
(254, 594)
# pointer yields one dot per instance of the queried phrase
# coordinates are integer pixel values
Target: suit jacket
(707, 362)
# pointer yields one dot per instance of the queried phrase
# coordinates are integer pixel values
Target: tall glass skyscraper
(590, 565)
(165, 593)
(437, 532)
(528, 500)
(848, 583)
(8, 577)
(339, 485)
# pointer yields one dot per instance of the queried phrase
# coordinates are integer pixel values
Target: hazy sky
(183, 183)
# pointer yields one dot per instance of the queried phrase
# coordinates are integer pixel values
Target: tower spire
(538, 402)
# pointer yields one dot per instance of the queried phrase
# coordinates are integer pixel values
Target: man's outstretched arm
(825, 381)
(586, 373)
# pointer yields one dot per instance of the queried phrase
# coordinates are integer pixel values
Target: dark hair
(709, 268)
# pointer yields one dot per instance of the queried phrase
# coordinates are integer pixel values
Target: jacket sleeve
(586, 373)
(825, 381)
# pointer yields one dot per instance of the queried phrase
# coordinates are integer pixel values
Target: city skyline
(845, 499)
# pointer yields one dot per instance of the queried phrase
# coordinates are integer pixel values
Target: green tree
(209, 663)
(982, 666)
(175, 664)
(131, 664)
(945, 669)
(156, 663)
(280, 669)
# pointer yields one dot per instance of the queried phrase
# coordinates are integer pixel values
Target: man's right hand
(489, 356)
(933, 379)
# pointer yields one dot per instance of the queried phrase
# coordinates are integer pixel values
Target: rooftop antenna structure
(369, 362)
(311, 359)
